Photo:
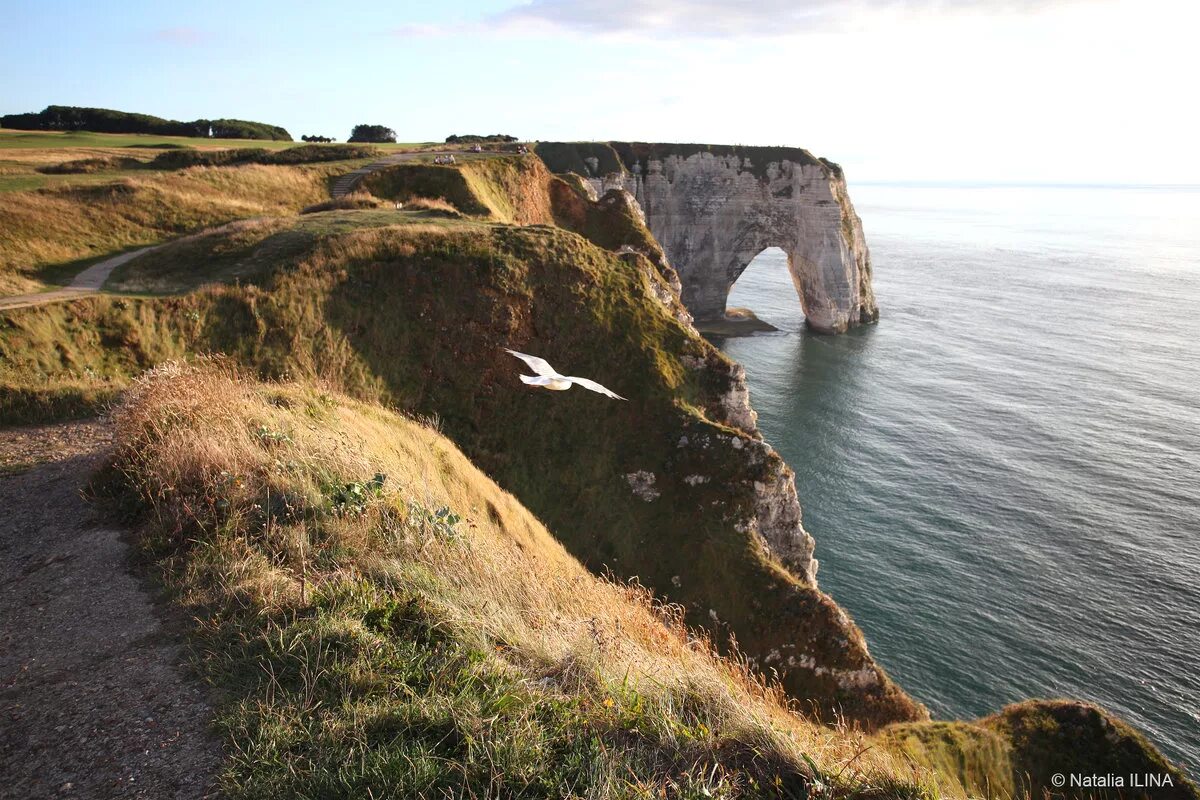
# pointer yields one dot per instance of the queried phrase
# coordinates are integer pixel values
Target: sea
(1003, 474)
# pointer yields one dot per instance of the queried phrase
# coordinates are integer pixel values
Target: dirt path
(92, 701)
(87, 282)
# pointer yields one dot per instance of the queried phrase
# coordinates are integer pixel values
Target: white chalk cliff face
(713, 213)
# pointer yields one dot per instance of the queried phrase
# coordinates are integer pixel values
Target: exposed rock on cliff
(715, 208)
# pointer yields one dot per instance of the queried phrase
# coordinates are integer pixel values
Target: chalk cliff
(714, 208)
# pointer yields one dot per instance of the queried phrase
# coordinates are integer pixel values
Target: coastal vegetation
(409, 575)
(379, 616)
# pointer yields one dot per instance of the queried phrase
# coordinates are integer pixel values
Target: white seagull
(548, 377)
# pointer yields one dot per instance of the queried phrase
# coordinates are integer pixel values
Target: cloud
(183, 35)
(708, 19)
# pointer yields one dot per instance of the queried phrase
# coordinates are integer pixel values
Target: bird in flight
(548, 377)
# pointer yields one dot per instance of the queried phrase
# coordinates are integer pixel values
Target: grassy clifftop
(417, 315)
(381, 619)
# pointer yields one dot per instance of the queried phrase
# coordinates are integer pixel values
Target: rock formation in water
(714, 208)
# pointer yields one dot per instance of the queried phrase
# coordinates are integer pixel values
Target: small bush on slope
(433, 639)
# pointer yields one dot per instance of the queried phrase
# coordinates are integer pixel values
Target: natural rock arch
(713, 209)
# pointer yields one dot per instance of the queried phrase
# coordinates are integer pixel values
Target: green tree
(372, 133)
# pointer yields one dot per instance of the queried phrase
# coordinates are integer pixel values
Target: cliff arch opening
(763, 296)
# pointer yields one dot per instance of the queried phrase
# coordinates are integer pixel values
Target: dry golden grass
(229, 462)
(38, 157)
(350, 202)
(436, 204)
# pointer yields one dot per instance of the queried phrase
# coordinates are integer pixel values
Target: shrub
(574, 157)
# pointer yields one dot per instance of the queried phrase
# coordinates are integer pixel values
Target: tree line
(106, 120)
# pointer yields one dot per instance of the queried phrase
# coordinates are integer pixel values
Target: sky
(1044, 91)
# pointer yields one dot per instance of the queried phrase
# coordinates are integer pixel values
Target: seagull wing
(545, 380)
(595, 387)
(539, 365)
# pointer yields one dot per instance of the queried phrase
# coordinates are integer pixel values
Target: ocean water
(1003, 475)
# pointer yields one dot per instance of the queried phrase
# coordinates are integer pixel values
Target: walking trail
(87, 282)
(92, 279)
(93, 703)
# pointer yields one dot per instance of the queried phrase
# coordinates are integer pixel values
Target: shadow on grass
(58, 276)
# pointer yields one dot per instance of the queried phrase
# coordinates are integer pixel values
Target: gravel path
(92, 701)
(87, 282)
